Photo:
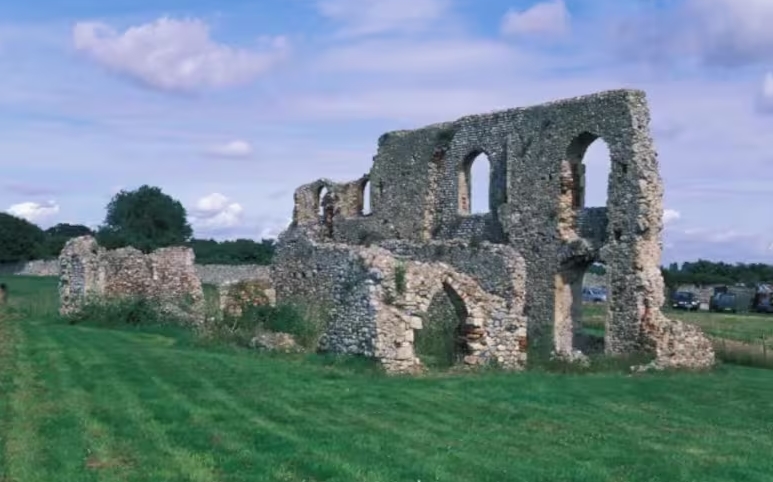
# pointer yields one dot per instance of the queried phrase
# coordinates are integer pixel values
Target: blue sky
(228, 106)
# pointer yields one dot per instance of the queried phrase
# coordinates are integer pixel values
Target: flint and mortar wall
(419, 192)
(167, 274)
(370, 316)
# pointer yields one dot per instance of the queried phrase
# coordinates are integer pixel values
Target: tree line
(704, 272)
(145, 218)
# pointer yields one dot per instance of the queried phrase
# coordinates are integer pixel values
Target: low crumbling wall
(88, 271)
(377, 298)
(38, 267)
(234, 297)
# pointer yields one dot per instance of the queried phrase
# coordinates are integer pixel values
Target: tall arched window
(475, 184)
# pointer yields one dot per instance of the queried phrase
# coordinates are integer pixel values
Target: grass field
(746, 327)
(84, 403)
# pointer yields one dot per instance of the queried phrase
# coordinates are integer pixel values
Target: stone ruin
(167, 275)
(514, 273)
(234, 296)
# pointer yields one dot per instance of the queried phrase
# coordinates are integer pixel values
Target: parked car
(761, 302)
(723, 302)
(763, 306)
(685, 300)
(594, 295)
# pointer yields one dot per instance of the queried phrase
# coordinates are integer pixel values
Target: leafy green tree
(20, 240)
(57, 236)
(146, 219)
(66, 230)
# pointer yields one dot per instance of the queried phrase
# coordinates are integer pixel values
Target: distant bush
(306, 325)
(133, 311)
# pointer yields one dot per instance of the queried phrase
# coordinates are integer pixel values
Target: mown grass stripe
(9, 340)
(120, 404)
(180, 411)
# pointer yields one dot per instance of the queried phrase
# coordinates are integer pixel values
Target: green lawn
(744, 327)
(81, 403)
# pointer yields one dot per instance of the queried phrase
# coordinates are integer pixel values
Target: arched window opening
(320, 204)
(366, 207)
(584, 180)
(591, 166)
(475, 185)
(597, 166)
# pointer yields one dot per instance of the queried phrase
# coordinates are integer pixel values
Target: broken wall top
(416, 184)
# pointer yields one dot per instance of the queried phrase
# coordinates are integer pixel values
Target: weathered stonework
(235, 296)
(166, 275)
(420, 191)
(375, 315)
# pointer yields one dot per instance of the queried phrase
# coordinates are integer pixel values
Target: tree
(57, 236)
(65, 230)
(240, 251)
(146, 219)
(20, 240)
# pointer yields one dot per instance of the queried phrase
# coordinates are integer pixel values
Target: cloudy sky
(228, 106)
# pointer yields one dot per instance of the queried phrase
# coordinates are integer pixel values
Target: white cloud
(414, 106)
(215, 212)
(670, 215)
(34, 212)
(725, 33)
(550, 18)
(765, 97)
(412, 56)
(233, 149)
(170, 54)
(369, 17)
(273, 228)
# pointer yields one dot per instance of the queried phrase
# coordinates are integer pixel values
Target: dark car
(685, 300)
(722, 302)
(763, 306)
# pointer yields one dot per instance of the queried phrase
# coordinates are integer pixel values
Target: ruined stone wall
(167, 275)
(332, 279)
(419, 192)
(234, 297)
(373, 314)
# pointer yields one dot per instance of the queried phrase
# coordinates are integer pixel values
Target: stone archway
(443, 341)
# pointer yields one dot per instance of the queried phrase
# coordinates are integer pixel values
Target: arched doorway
(442, 343)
